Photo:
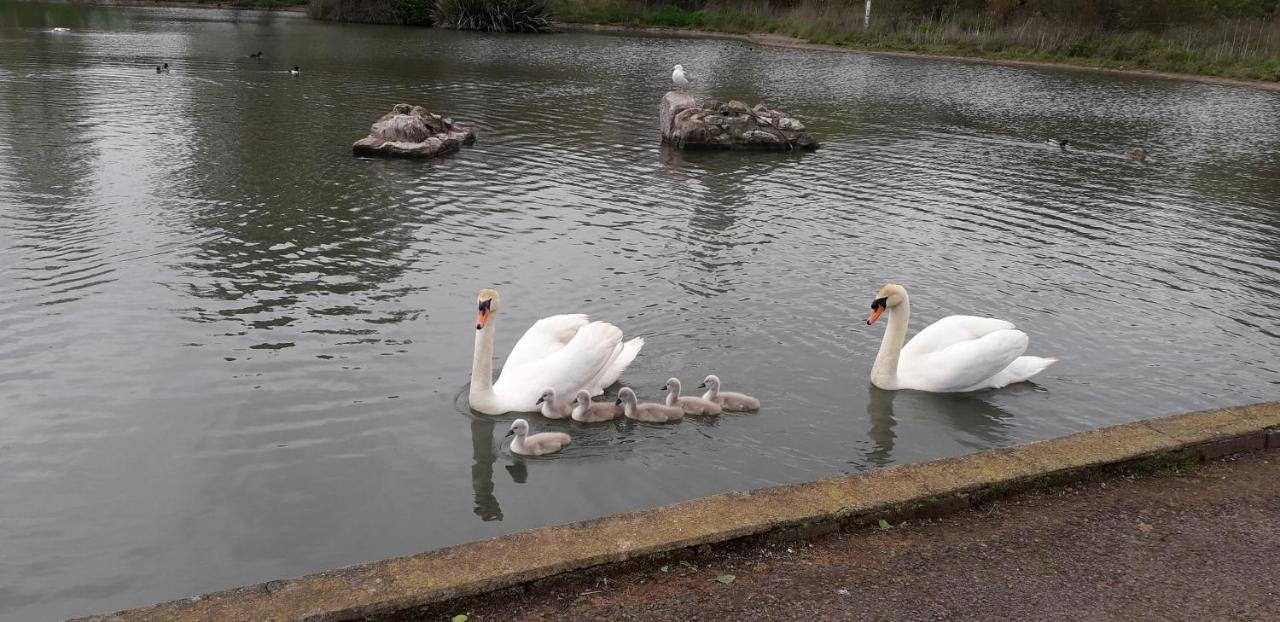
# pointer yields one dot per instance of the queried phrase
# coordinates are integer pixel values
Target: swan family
(570, 355)
(564, 353)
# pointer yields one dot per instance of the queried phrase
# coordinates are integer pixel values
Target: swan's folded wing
(544, 338)
(967, 363)
(624, 354)
(951, 330)
(566, 370)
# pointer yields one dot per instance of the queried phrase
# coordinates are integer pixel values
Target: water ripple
(225, 339)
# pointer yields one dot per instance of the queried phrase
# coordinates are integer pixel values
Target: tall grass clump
(493, 15)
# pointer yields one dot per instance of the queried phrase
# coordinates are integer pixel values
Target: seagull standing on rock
(678, 77)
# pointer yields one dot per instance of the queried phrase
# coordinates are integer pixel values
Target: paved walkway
(1198, 545)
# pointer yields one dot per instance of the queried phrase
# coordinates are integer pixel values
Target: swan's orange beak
(482, 315)
(877, 309)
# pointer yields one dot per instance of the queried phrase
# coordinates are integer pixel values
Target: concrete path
(1200, 544)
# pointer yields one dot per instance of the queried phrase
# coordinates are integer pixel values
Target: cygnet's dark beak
(664, 387)
(511, 432)
(540, 400)
(617, 402)
(702, 386)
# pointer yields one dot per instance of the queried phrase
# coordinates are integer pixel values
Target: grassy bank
(1241, 40)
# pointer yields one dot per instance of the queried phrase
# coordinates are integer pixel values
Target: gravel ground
(1203, 544)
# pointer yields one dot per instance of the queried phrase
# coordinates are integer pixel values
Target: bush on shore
(403, 12)
(495, 15)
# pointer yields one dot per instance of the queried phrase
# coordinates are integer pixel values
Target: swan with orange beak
(956, 354)
(563, 353)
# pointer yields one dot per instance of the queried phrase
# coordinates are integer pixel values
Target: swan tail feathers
(1021, 370)
(619, 364)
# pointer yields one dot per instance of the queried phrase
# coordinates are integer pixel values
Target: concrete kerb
(396, 586)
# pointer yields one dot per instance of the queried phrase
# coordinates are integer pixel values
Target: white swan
(955, 354)
(727, 400)
(537, 444)
(678, 78)
(563, 352)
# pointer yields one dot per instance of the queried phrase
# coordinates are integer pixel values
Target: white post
(866, 19)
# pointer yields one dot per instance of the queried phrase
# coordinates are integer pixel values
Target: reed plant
(493, 15)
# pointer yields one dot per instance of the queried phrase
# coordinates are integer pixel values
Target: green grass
(1247, 48)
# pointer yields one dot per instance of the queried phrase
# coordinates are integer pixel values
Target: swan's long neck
(482, 362)
(884, 372)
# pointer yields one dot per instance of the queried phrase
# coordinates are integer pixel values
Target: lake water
(231, 352)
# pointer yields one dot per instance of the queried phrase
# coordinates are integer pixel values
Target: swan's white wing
(566, 370)
(625, 354)
(962, 366)
(544, 338)
(951, 330)
(1022, 368)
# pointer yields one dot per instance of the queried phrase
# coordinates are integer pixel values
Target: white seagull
(678, 77)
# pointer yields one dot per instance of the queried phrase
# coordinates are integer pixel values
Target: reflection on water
(484, 455)
(518, 470)
(230, 352)
(880, 413)
(972, 420)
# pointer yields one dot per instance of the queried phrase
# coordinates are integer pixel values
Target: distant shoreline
(782, 41)
(173, 4)
(767, 39)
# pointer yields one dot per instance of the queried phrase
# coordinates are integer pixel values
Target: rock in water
(413, 132)
(730, 125)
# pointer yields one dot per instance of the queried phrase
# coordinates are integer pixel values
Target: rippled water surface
(231, 352)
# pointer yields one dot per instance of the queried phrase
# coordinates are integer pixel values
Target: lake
(231, 352)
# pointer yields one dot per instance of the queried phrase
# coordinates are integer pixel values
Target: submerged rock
(413, 132)
(730, 125)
